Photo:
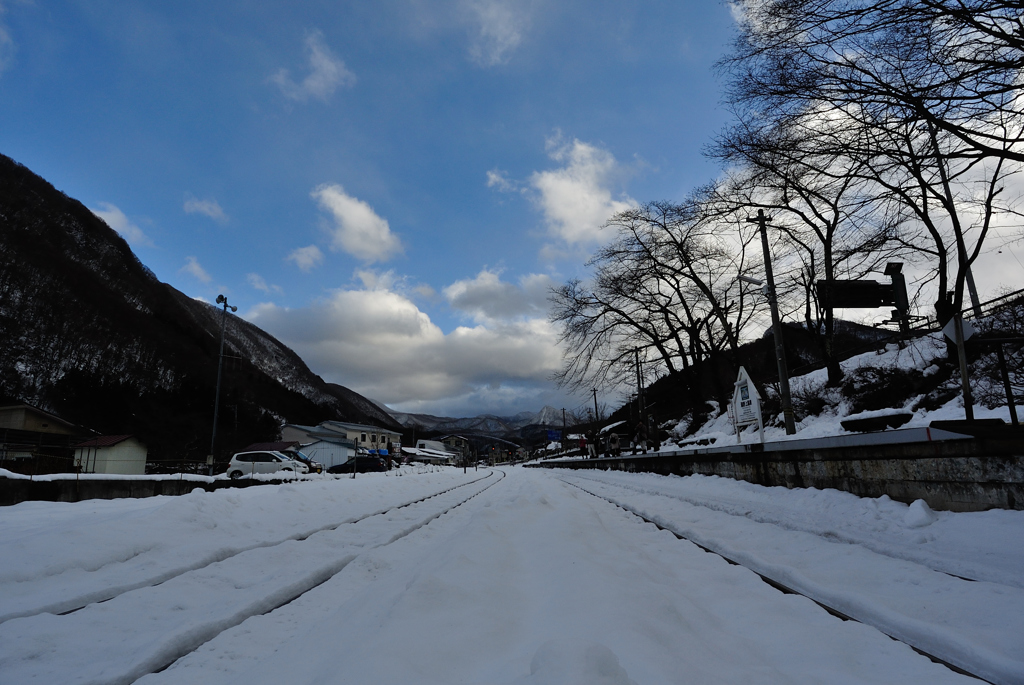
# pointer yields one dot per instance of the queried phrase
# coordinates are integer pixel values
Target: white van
(249, 463)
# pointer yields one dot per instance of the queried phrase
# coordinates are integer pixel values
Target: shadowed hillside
(90, 334)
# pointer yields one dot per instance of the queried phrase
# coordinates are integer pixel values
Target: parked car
(363, 465)
(249, 463)
(311, 466)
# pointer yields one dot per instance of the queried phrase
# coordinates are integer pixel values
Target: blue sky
(388, 187)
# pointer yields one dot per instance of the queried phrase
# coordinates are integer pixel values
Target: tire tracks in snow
(782, 587)
(71, 605)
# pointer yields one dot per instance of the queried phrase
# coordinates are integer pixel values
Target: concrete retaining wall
(954, 475)
(13, 491)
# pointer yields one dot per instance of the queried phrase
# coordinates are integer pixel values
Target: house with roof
(329, 447)
(360, 435)
(427, 455)
(294, 432)
(25, 417)
(330, 450)
(120, 454)
(368, 437)
(457, 443)
(33, 440)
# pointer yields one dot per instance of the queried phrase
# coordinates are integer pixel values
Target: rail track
(71, 605)
(146, 629)
(783, 587)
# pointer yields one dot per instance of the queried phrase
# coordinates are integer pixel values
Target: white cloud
(500, 180)
(195, 269)
(326, 73)
(306, 258)
(487, 298)
(576, 199)
(210, 208)
(6, 44)
(357, 228)
(117, 220)
(379, 343)
(425, 291)
(259, 283)
(377, 280)
(498, 27)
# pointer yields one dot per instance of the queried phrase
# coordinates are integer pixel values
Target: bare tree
(820, 203)
(920, 100)
(955, 64)
(665, 286)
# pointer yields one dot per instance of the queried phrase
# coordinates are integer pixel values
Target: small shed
(121, 454)
(330, 451)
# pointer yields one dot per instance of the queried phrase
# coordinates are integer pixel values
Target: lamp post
(220, 365)
(780, 349)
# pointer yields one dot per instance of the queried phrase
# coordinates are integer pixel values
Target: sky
(390, 188)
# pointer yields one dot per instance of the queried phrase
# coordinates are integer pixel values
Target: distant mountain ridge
(91, 335)
(484, 424)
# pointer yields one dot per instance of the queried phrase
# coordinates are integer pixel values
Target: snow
(919, 515)
(954, 589)
(505, 576)
(918, 354)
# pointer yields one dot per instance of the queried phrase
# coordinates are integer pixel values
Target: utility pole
(597, 416)
(780, 349)
(563, 440)
(220, 365)
(639, 386)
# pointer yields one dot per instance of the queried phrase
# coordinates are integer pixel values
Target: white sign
(949, 330)
(746, 405)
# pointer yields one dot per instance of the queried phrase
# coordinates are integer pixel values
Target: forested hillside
(90, 334)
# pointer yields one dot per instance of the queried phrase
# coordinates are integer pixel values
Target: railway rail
(786, 588)
(146, 629)
(73, 604)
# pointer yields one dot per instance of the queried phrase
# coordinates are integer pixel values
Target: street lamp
(220, 365)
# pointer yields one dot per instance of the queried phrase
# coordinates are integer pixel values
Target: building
(35, 441)
(368, 437)
(120, 454)
(25, 417)
(330, 451)
(296, 433)
(457, 443)
(335, 442)
(427, 455)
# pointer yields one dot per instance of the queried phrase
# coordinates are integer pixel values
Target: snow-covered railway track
(146, 630)
(780, 518)
(997, 674)
(77, 602)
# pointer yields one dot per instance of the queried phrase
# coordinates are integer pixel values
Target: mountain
(91, 335)
(508, 427)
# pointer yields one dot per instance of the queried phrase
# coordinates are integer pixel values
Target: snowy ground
(918, 354)
(505, 576)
